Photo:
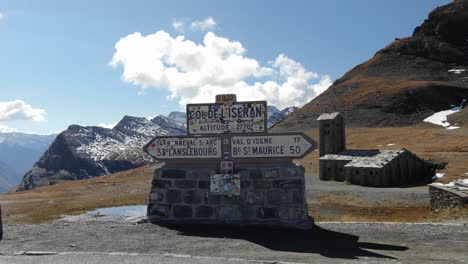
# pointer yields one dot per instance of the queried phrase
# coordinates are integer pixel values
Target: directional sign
(234, 117)
(184, 147)
(289, 145)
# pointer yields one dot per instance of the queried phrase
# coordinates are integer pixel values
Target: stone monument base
(270, 195)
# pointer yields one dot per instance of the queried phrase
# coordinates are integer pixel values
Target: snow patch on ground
(456, 71)
(438, 175)
(131, 214)
(440, 118)
(391, 144)
(460, 182)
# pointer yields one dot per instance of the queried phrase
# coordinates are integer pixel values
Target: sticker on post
(225, 184)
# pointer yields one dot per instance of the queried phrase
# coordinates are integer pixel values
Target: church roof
(365, 158)
(328, 116)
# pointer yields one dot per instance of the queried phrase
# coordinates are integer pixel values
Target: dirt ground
(328, 201)
(49, 203)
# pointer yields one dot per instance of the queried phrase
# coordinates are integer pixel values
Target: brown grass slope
(132, 187)
(403, 83)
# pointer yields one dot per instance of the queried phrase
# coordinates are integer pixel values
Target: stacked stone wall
(270, 195)
(443, 198)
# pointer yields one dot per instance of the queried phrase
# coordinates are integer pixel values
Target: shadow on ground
(316, 240)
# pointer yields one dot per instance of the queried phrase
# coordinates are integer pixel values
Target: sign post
(229, 169)
(288, 145)
(240, 126)
(184, 147)
(225, 118)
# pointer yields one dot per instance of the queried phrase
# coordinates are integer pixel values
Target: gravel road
(412, 194)
(97, 242)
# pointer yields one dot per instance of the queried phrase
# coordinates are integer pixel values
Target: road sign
(234, 117)
(184, 147)
(225, 98)
(288, 145)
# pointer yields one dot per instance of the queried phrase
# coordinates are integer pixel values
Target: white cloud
(2, 16)
(19, 110)
(110, 126)
(6, 129)
(203, 25)
(195, 73)
(178, 25)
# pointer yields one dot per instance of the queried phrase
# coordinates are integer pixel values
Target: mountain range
(405, 82)
(85, 152)
(18, 152)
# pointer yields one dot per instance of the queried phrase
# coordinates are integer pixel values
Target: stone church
(373, 167)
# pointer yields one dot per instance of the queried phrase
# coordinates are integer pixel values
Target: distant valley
(18, 152)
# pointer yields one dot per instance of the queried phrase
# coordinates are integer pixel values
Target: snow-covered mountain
(178, 116)
(275, 115)
(18, 152)
(86, 152)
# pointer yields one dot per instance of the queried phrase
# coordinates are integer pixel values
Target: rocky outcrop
(86, 152)
(405, 82)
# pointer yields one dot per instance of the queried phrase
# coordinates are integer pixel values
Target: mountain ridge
(405, 82)
(83, 152)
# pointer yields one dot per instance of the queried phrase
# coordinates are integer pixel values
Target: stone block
(250, 173)
(265, 213)
(173, 196)
(248, 212)
(159, 210)
(287, 172)
(191, 197)
(182, 211)
(204, 211)
(278, 197)
(261, 184)
(228, 213)
(203, 184)
(231, 200)
(291, 213)
(156, 196)
(212, 199)
(245, 184)
(254, 198)
(200, 173)
(270, 174)
(161, 184)
(173, 173)
(184, 184)
(287, 184)
(298, 197)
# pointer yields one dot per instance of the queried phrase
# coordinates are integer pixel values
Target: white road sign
(184, 147)
(293, 145)
(235, 117)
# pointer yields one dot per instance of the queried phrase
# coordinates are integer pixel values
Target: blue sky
(59, 64)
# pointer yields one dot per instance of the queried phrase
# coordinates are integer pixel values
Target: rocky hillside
(18, 153)
(86, 152)
(405, 82)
